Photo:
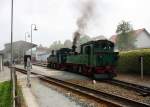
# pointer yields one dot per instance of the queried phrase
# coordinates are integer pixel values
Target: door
(88, 52)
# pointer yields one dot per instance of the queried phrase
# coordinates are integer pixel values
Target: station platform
(30, 99)
(5, 74)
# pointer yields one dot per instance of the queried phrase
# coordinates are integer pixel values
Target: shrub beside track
(129, 61)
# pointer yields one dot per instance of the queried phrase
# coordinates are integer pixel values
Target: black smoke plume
(87, 9)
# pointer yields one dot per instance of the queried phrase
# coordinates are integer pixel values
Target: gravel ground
(48, 96)
(80, 100)
(66, 75)
(56, 73)
(134, 79)
(116, 90)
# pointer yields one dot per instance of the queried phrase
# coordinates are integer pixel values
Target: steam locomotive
(96, 59)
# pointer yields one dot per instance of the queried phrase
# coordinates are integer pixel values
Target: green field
(5, 94)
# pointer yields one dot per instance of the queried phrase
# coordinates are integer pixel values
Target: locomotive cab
(101, 58)
(106, 58)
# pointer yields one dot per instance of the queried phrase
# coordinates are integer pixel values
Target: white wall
(42, 57)
(143, 40)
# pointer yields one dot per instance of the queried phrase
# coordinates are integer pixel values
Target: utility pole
(12, 69)
(141, 61)
(11, 33)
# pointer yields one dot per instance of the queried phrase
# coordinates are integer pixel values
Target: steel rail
(143, 90)
(110, 99)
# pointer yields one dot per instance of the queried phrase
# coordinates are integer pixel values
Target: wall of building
(143, 40)
(42, 57)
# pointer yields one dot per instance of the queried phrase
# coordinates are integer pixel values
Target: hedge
(129, 61)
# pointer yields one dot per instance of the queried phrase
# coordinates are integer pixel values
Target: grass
(5, 94)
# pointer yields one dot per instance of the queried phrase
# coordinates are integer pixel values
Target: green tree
(125, 36)
(56, 45)
(84, 39)
(68, 44)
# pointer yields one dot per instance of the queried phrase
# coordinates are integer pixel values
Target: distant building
(19, 49)
(142, 38)
(41, 54)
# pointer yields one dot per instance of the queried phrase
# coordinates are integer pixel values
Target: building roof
(18, 44)
(22, 43)
(113, 38)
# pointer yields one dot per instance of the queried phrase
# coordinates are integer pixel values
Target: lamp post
(35, 28)
(13, 74)
(11, 32)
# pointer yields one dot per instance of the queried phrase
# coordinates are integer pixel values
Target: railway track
(40, 64)
(109, 99)
(142, 90)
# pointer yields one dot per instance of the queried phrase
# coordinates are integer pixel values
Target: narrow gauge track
(40, 64)
(99, 96)
(143, 90)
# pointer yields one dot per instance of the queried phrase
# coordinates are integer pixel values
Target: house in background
(142, 38)
(41, 54)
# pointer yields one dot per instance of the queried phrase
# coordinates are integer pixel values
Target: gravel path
(116, 90)
(134, 79)
(47, 97)
(57, 73)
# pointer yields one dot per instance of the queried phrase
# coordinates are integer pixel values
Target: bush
(129, 61)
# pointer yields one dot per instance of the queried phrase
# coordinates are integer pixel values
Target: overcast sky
(56, 19)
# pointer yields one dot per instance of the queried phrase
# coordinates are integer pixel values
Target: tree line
(125, 39)
(68, 43)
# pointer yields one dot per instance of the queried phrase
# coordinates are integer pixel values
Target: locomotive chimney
(75, 39)
(52, 52)
(87, 11)
(74, 48)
